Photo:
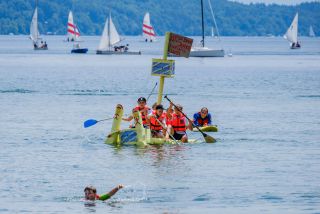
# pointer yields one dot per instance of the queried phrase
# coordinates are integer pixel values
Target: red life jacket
(154, 124)
(201, 121)
(143, 116)
(178, 122)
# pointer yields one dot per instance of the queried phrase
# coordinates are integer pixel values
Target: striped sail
(292, 33)
(147, 29)
(73, 31)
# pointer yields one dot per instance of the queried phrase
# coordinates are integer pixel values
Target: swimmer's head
(90, 192)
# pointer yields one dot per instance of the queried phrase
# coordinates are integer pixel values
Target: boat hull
(206, 53)
(118, 52)
(80, 50)
(41, 49)
(131, 137)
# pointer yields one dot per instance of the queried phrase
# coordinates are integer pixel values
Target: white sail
(147, 29)
(73, 31)
(292, 33)
(311, 32)
(114, 36)
(109, 36)
(34, 33)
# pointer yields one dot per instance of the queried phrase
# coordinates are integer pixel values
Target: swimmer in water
(91, 193)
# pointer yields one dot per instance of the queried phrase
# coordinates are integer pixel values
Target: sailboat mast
(36, 28)
(109, 21)
(202, 23)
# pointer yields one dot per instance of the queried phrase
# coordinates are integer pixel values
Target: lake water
(265, 100)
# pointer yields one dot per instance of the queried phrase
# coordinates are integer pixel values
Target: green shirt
(104, 197)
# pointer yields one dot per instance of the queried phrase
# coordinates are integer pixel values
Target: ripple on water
(18, 90)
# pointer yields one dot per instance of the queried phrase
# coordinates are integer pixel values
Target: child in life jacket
(144, 110)
(91, 193)
(202, 118)
(177, 125)
(156, 121)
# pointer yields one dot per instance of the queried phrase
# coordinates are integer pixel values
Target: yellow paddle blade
(209, 139)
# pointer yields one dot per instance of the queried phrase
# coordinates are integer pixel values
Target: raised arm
(111, 193)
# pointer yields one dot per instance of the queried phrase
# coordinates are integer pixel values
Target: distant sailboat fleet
(110, 39)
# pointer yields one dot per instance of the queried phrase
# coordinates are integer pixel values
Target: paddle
(166, 129)
(206, 137)
(92, 122)
(152, 91)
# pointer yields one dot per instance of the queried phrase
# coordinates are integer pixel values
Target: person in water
(177, 125)
(90, 193)
(144, 110)
(156, 121)
(202, 118)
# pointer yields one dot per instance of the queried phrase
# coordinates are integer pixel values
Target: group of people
(169, 124)
(42, 45)
(163, 124)
(121, 48)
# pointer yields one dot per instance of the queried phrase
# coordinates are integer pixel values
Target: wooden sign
(179, 45)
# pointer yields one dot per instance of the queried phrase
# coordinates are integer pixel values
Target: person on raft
(177, 125)
(144, 110)
(90, 193)
(202, 118)
(156, 121)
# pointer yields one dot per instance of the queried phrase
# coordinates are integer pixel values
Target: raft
(206, 129)
(138, 136)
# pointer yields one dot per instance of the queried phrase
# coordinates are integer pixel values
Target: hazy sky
(276, 1)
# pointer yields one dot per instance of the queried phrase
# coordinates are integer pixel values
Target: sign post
(174, 44)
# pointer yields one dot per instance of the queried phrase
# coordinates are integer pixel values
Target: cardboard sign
(162, 67)
(179, 45)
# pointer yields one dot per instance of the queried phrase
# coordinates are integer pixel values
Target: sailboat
(74, 36)
(34, 32)
(292, 34)
(204, 51)
(311, 32)
(110, 37)
(147, 29)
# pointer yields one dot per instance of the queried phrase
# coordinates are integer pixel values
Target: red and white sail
(147, 29)
(73, 31)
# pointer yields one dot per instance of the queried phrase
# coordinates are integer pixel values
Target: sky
(287, 2)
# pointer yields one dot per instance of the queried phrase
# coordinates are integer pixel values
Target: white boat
(311, 32)
(37, 42)
(110, 37)
(292, 34)
(202, 50)
(147, 29)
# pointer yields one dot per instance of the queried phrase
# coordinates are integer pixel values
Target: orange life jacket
(178, 122)
(143, 116)
(154, 124)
